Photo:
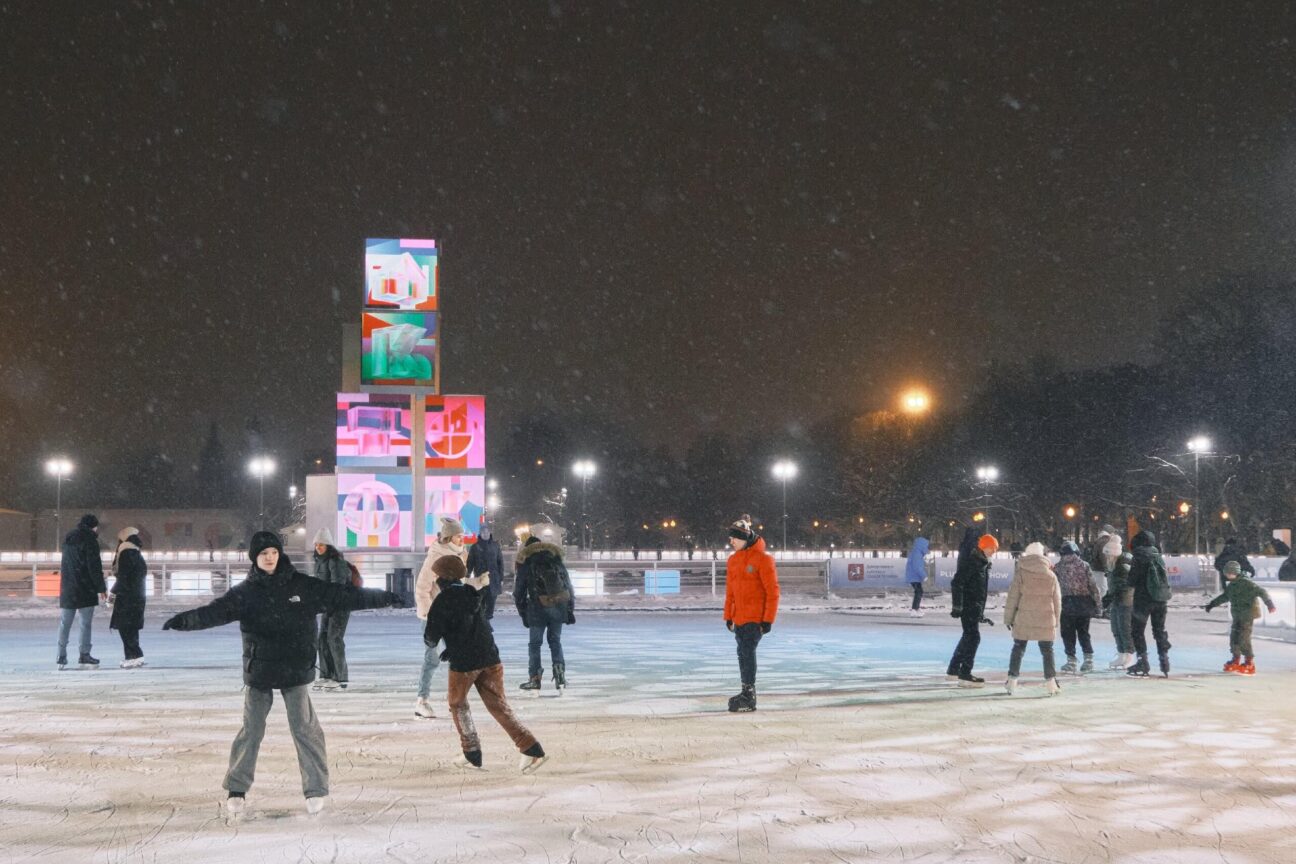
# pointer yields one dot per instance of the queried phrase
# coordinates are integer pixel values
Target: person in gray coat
(332, 568)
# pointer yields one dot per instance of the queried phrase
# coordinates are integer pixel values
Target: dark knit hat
(449, 567)
(263, 540)
(89, 520)
(741, 529)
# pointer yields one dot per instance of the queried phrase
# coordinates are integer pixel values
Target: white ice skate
(1011, 685)
(1118, 662)
(315, 806)
(529, 764)
(1051, 687)
(234, 810)
(423, 709)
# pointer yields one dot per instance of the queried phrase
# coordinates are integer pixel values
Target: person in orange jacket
(751, 602)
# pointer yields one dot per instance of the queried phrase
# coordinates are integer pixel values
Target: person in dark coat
(127, 595)
(1151, 584)
(485, 558)
(1232, 551)
(81, 588)
(458, 616)
(968, 592)
(1287, 570)
(332, 568)
(276, 607)
(544, 610)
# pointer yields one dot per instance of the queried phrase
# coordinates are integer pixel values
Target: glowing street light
(784, 470)
(584, 469)
(915, 402)
(261, 467)
(1199, 445)
(58, 468)
(987, 474)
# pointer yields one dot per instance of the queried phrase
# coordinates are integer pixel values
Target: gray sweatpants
(306, 732)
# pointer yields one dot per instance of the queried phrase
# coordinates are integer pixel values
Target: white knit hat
(126, 533)
(323, 536)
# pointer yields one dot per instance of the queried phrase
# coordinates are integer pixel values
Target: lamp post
(261, 467)
(915, 402)
(1197, 446)
(584, 469)
(987, 474)
(784, 470)
(58, 467)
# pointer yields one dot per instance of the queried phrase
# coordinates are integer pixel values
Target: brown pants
(490, 687)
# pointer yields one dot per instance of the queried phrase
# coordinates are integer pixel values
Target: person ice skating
(449, 541)
(81, 588)
(543, 595)
(1151, 593)
(1102, 555)
(751, 603)
(968, 592)
(486, 562)
(1033, 613)
(1243, 596)
(916, 573)
(458, 616)
(331, 568)
(276, 607)
(1119, 602)
(1232, 551)
(1287, 570)
(127, 596)
(1081, 601)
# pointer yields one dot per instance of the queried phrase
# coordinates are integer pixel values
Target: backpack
(549, 580)
(357, 581)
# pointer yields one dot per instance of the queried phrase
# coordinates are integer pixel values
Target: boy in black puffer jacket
(457, 616)
(276, 608)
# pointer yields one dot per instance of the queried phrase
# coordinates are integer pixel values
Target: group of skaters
(1045, 599)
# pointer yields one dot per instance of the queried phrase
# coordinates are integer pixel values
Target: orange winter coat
(751, 586)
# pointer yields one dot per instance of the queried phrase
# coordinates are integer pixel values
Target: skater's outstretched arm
(339, 597)
(223, 610)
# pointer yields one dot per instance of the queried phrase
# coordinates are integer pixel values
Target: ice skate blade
(530, 764)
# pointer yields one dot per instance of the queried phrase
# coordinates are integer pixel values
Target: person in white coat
(1033, 612)
(449, 541)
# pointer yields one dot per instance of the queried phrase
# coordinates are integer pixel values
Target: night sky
(693, 217)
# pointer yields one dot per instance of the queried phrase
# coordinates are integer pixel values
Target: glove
(1273, 609)
(524, 622)
(397, 601)
(729, 624)
(987, 622)
(955, 613)
(1208, 607)
(571, 617)
(445, 655)
(172, 623)
(766, 626)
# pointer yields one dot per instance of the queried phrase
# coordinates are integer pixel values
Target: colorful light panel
(375, 511)
(460, 496)
(374, 430)
(399, 348)
(454, 431)
(401, 274)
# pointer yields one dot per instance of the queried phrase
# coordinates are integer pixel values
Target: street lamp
(261, 467)
(987, 474)
(784, 470)
(58, 467)
(1198, 446)
(915, 402)
(584, 469)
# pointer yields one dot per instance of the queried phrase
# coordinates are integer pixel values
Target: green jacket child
(1241, 593)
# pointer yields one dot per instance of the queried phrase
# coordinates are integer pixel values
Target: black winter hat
(263, 540)
(741, 529)
(89, 520)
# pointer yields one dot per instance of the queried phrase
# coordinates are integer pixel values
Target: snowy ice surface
(860, 752)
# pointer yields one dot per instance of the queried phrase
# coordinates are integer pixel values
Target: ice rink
(860, 751)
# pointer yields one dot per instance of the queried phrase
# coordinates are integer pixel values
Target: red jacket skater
(751, 586)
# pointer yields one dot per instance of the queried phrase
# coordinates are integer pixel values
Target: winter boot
(1141, 668)
(1051, 687)
(744, 701)
(88, 662)
(1165, 665)
(532, 684)
(532, 758)
(560, 677)
(1011, 685)
(1087, 665)
(1069, 667)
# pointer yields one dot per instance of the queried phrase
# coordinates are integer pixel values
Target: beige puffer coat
(1033, 610)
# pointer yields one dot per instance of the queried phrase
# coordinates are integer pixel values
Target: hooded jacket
(81, 577)
(1033, 608)
(971, 584)
(526, 593)
(1147, 574)
(486, 557)
(751, 585)
(128, 588)
(276, 614)
(916, 564)
(457, 617)
(425, 587)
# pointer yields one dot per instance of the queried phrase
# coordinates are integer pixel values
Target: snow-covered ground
(860, 752)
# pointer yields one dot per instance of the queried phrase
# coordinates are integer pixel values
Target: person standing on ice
(1243, 597)
(751, 603)
(1151, 593)
(968, 592)
(486, 560)
(331, 568)
(1081, 601)
(916, 573)
(1119, 602)
(543, 595)
(276, 607)
(1232, 551)
(449, 541)
(81, 588)
(458, 616)
(128, 596)
(1033, 612)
